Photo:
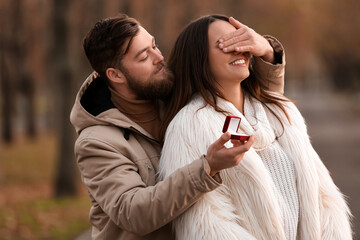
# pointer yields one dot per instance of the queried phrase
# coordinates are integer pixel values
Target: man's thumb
(223, 139)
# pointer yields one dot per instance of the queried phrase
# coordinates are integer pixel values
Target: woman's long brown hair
(189, 62)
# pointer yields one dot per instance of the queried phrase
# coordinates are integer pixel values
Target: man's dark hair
(108, 41)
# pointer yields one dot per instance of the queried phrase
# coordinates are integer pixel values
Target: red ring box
(231, 125)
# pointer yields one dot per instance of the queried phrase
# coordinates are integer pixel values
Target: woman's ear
(115, 75)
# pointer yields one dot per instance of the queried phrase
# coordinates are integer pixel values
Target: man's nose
(158, 57)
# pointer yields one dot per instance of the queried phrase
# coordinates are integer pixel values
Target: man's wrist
(269, 55)
(212, 173)
(209, 169)
(277, 49)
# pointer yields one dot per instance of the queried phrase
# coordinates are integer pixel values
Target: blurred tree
(158, 18)
(7, 82)
(25, 84)
(338, 42)
(15, 74)
(7, 96)
(65, 182)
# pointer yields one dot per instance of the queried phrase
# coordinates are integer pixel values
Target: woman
(281, 189)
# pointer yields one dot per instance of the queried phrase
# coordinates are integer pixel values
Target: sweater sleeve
(213, 215)
(271, 76)
(115, 184)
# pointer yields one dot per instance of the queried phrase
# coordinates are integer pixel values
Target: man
(117, 114)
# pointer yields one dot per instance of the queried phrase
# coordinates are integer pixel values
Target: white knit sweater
(247, 205)
(281, 169)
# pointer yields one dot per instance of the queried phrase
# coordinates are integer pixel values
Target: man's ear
(115, 75)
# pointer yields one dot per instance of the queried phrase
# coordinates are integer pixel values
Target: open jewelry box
(231, 125)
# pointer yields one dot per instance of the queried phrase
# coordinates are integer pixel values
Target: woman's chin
(243, 76)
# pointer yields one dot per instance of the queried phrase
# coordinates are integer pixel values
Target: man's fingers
(231, 35)
(240, 37)
(244, 46)
(251, 140)
(244, 147)
(235, 22)
(249, 143)
(243, 49)
(222, 140)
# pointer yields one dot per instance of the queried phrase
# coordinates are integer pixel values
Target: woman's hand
(245, 39)
(219, 157)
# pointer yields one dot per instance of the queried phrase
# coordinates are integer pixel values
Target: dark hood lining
(97, 97)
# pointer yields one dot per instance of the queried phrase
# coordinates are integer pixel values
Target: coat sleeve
(114, 182)
(271, 76)
(334, 212)
(213, 215)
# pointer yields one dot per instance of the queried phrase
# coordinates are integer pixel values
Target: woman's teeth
(241, 61)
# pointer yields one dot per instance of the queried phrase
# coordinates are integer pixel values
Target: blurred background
(42, 65)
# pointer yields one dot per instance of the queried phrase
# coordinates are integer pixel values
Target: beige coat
(118, 162)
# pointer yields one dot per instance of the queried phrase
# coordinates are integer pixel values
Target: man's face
(144, 68)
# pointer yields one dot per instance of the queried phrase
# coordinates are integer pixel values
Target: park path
(334, 127)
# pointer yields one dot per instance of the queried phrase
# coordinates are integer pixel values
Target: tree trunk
(27, 89)
(6, 80)
(65, 182)
(7, 102)
(25, 85)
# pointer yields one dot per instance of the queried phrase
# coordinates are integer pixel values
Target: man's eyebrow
(144, 49)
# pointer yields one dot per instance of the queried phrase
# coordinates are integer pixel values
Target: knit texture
(281, 169)
(279, 165)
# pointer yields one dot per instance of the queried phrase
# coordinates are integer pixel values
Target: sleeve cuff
(271, 75)
(199, 171)
(278, 49)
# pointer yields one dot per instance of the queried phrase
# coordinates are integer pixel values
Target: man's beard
(154, 87)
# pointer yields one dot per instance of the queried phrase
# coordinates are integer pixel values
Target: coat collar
(93, 107)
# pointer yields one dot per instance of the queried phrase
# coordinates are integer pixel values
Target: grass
(28, 209)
